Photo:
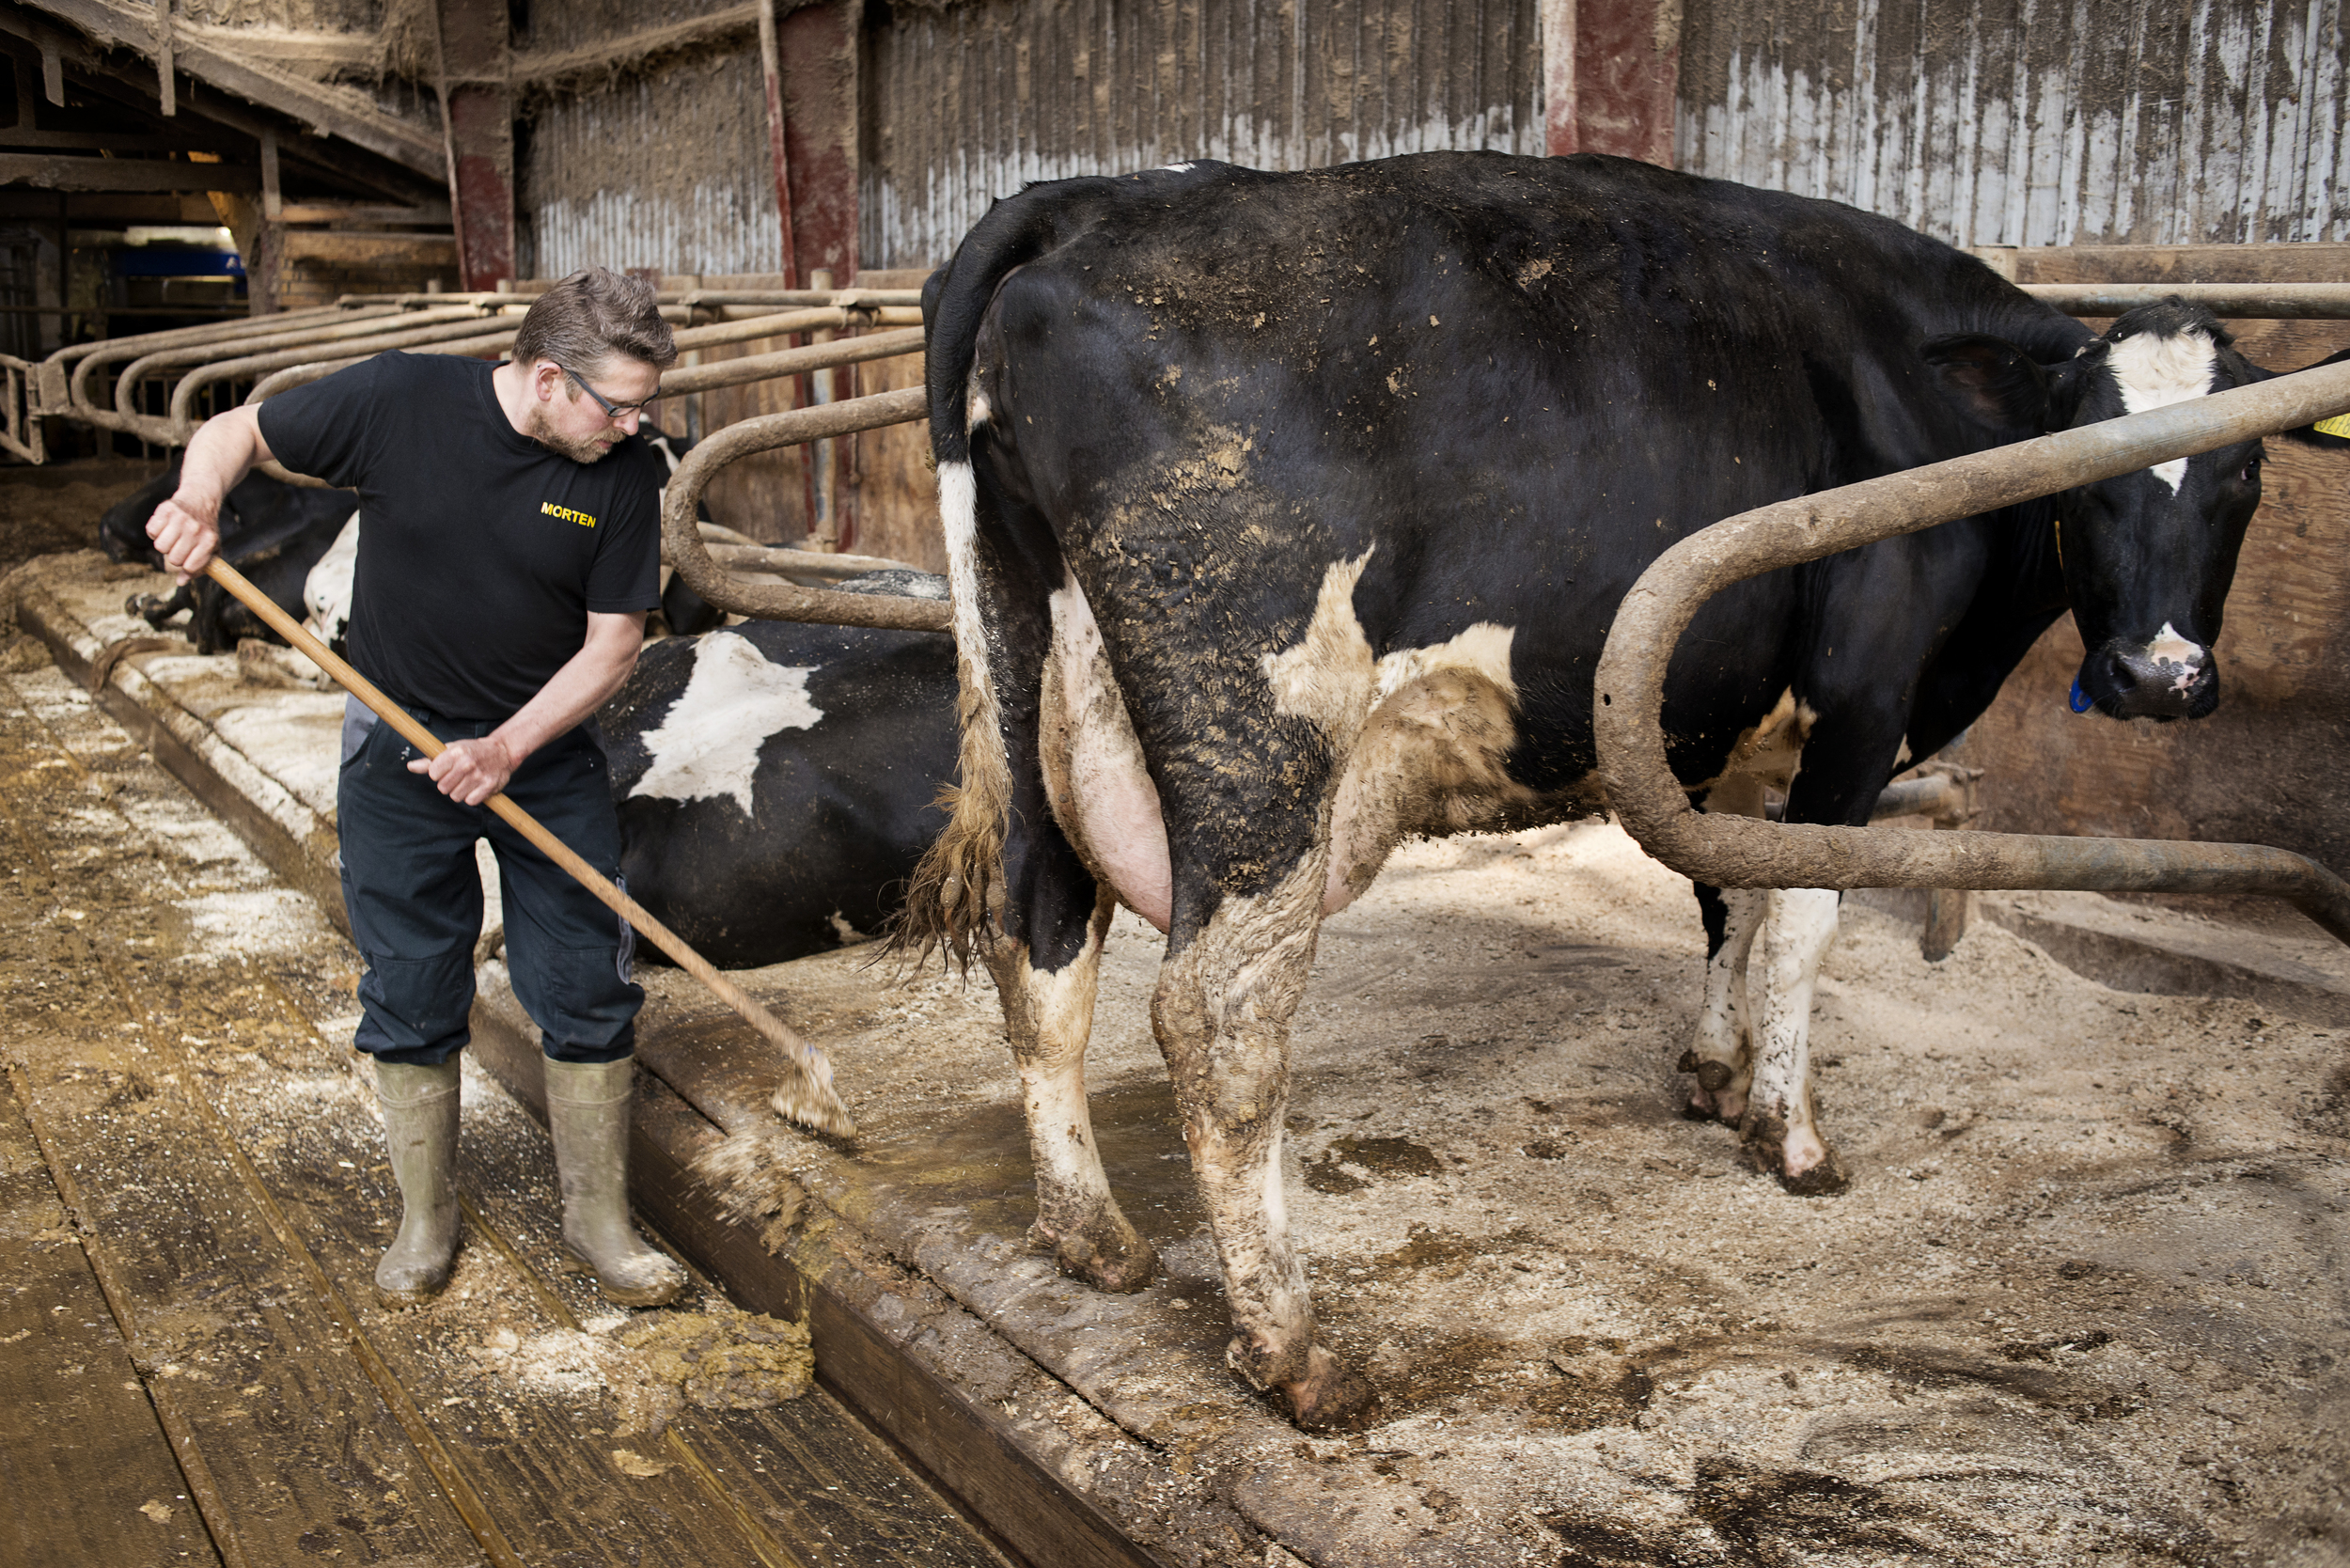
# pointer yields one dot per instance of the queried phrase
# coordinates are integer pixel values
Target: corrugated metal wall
(968, 102)
(668, 170)
(2032, 122)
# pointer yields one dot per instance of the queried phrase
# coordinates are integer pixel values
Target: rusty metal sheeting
(2023, 122)
(1740, 852)
(667, 170)
(683, 546)
(972, 102)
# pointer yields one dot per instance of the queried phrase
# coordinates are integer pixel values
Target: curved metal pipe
(2241, 301)
(682, 541)
(1741, 852)
(407, 325)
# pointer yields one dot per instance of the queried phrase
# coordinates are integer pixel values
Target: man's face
(569, 420)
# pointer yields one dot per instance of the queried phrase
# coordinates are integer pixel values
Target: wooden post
(1610, 68)
(1557, 21)
(469, 45)
(162, 59)
(771, 71)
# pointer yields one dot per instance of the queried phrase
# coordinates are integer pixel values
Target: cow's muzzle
(2125, 679)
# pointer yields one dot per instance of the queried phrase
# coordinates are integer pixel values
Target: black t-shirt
(481, 553)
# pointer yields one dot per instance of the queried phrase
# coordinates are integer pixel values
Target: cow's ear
(2326, 435)
(1992, 379)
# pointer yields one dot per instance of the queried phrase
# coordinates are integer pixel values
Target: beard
(582, 448)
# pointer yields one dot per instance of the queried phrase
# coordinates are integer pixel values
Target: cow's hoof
(1109, 1255)
(1331, 1397)
(1823, 1180)
(1802, 1163)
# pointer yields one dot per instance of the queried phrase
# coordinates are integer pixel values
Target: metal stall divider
(1737, 852)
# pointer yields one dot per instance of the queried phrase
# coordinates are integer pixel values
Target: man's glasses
(611, 411)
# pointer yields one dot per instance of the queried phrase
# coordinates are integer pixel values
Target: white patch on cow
(2169, 648)
(1096, 778)
(2155, 372)
(669, 453)
(1326, 676)
(1175, 168)
(326, 592)
(1483, 650)
(845, 933)
(958, 509)
(707, 743)
(981, 410)
(1765, 756)
(1798, 927)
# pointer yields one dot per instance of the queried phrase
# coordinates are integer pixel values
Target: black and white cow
(777, 782)
(1287, 515)
(271, 531)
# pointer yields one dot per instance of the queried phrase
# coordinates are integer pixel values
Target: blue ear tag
(2080, 699)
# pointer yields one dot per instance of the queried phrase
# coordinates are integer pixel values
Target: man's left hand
(470, 772)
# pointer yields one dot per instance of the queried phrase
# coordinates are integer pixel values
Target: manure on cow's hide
(754, 1178)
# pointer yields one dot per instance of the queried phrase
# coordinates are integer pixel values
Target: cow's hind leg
(1721, 1056)
(1222, 1014)
(1779, 1130)
(1047, 994)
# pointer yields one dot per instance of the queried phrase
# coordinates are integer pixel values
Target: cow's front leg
(1048, 1014)
(1721, 1054)
(1222, 1014)
(1779, 1128)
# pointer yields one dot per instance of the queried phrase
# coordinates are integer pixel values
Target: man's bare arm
(186, 528)
(470, 772)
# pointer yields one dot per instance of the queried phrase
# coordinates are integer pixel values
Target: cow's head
(2148, 557)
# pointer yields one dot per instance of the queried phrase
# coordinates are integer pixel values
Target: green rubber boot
(587, 1112)
(420, 1129)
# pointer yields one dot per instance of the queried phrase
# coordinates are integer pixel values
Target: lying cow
(1287, 514)
(271, 531)
(777, 782)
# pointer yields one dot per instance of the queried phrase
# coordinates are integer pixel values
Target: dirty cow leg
(1222, 1014)
(1778, 1129)
(1722, 1055)
(1049, 1018)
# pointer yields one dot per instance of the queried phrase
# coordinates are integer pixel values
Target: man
(500, 596)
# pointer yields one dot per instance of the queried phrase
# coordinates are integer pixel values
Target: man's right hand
(186, 531)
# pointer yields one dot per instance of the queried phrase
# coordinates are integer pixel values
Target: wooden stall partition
(2268, 766)
(896, 489)
(764, 495)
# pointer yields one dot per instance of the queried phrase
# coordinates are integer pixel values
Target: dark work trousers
(413, 890)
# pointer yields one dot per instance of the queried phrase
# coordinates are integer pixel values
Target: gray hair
(590, 317)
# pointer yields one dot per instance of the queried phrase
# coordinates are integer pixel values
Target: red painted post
(1611, 89)
(478, 118)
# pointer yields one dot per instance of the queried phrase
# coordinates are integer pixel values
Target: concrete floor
(2088, 1292)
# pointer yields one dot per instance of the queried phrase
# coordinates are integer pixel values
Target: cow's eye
(2251, 474)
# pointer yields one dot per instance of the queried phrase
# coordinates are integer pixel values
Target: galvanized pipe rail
(1742, 851)
(681, 543)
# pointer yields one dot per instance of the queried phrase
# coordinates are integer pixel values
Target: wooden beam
(376, 214)
(374, 249)
(332, 111)
(124, 174)
(165, 78)
(553, 70)
(1610, 68)
(1555, 26)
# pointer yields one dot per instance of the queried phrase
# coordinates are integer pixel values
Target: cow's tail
(949, 902)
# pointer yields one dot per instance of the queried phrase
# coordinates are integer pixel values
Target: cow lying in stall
(777, 782)
(274, 532)
(1287, 514)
